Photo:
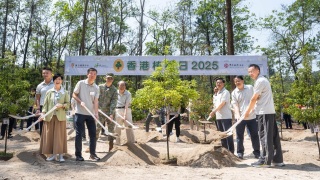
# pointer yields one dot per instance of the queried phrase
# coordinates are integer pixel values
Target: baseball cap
(109, 75)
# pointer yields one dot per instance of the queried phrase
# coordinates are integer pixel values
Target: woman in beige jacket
(54, 135)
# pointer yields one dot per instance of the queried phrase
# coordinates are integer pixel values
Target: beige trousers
(122, 122)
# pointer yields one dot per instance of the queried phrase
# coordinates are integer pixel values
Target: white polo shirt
(242, 98)
(124, 99)
(86, 93)
(265, 104)
(42, 89)
(225, 111)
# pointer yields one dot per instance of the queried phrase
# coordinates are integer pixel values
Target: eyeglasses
(109, 78)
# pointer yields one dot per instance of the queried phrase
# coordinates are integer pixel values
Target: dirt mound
(299, 135)
(31, 136)
(207, 156)
(207, 137)
(132, 154)
(144, 137)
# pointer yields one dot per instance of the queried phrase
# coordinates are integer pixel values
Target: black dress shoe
(94, 158)
(79, 158)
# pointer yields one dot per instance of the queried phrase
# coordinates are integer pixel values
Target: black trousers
(41, 122)
(269, 139)
(80, 120)
(149, 118)
(4, 126)
(176, 122)
(287, 120)
(224, 125)
(252, 125)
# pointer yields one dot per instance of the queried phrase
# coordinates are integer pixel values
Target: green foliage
(211, 26)
(164, 88)
(201, 106)
(304, 97)
(292, 35)
(277, 91)
(13, 87)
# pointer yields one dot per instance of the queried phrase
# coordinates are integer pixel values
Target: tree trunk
(141, 27)
(15, 47)
(230, 43)
(5, 30)
(28, 35)
(140, 42)
(84, 25)
(96, 28)
(318, 144)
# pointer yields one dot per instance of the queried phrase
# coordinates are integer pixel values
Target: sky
(261, 8)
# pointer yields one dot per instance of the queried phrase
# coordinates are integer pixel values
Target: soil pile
(207, 156)
(133, 154)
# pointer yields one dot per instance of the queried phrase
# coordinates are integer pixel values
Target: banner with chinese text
(145, 65)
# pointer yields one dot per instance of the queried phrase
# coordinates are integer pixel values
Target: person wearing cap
(54, 136)
(107, 104)
(123, 112)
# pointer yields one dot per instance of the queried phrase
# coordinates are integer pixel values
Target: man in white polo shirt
(42, 89)
(123, 112)
(241, 96)
(263, 105)
(86, 93)
(223, 113)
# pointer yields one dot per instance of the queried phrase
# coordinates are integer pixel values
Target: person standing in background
(42, 89)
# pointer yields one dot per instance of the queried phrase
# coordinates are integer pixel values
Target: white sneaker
(178, 139)
(61, 158)
(278, 164)
(51, 158)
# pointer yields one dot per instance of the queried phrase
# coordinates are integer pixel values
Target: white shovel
(133, 126)
(117, 124)
(41, 116)
(182, 115)
(97, 120)
(23, 117)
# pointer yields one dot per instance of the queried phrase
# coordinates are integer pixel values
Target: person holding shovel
(107, 103)
(223, 113)
(54, 136)
(86, 93)
(123, 112)
(173, 113)
(263, 105)
(241, 96)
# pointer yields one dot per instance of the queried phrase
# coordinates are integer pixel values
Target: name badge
(91, 93)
